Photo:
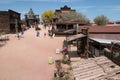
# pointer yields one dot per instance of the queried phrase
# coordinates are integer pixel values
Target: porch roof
(74, 37)
(70, 30)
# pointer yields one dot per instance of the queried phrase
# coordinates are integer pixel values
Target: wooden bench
(4, 37)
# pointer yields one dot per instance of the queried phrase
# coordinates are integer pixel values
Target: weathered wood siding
(4, 21)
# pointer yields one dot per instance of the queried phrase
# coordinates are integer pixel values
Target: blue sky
(90, 8)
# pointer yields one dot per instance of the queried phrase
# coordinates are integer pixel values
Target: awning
(105, 41)
(74, 37)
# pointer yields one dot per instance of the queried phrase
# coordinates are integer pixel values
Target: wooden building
(80, 42)
(58, 12)
(31, 18)
(63, 23)
(104, 40)
(8, 21)
(99, 37)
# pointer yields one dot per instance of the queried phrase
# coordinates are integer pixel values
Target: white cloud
(88, 7)
(23, 12)
(52, 0)
(115, 7)
(5, 1)
(8, 1)
(84, 7)
(83, 10)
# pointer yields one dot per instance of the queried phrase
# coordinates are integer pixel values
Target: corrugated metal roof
(105, 41)
(106, 36)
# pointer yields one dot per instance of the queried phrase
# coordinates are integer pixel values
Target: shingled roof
(31, 12)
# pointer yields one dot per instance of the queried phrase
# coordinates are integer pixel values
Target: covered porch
(77, 45)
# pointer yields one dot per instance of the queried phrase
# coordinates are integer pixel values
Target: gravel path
(27, 58)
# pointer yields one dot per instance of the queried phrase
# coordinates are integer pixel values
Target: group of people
(49, 32)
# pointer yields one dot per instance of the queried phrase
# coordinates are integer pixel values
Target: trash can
(57, 51)
(58, 64)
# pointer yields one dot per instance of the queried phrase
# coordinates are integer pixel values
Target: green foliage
(101, 20)
(57, 78)
(47, 16)
(63, 61)
(65, 77)
(116, 54)
(73, 16)
(70, 67)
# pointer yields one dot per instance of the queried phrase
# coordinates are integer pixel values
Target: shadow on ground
(2, 44)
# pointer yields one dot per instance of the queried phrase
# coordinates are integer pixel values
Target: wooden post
(77, 39)
(66, 26)
(76, 28)
(85, 32)
(78, 47)
(112, 44)
(16, 27)
(87, 45)
(68, 50)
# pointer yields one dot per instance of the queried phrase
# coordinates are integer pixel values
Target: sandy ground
(27, 58)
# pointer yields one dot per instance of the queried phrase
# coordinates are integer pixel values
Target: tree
(47, 16)
(101, 20)
(74, 16)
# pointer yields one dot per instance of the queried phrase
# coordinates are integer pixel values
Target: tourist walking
(22, 29)
(51, 34)
(44, 34)
(19, 35)
(37, 31)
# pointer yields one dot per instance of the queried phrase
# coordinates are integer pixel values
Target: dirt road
(27, 58)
